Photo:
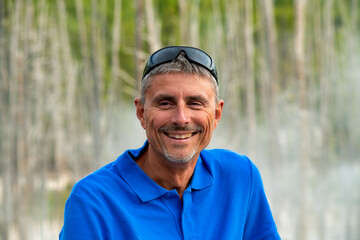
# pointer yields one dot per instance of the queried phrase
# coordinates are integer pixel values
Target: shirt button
(169, 195)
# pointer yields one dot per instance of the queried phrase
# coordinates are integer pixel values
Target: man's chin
(179, 158)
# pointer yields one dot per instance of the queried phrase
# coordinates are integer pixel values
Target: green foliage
(73, 28)
(170, 31)
(284, 15)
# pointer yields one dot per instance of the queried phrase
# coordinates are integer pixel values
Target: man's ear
(218, 111)
(140, 111)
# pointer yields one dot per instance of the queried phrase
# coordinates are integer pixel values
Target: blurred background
(289, 75)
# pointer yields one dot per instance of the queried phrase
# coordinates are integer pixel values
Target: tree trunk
(115, 63)
(96, 84)
(272, 78)
(300, 21)
(326, 76)
(13, 185)
(153, 34)
(139, 61)
(194, 23)
(183, 20)
(4, 131)
(63, 114)
(250, 77)
(232, 69)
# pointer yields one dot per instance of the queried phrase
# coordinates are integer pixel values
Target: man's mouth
(180, 136)
(180, 133)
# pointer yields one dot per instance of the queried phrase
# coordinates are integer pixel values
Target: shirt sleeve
(259, 223)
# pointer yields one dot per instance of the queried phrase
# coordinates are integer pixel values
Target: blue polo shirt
(225, 200)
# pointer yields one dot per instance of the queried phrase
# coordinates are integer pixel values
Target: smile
(180, 136)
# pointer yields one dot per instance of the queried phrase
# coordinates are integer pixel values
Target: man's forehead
(185, 82)
(173, 79)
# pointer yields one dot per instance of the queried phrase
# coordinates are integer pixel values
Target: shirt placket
(187, 221)
(173, 203)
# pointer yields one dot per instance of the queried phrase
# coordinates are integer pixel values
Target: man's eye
(165, 104)
(195, 104)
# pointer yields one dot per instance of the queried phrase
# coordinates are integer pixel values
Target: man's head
(179, 106)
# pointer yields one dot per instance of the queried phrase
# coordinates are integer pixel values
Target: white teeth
(182, 136)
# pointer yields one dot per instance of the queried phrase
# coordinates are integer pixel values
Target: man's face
(179, 116)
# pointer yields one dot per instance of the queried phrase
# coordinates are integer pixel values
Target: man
(171, 188)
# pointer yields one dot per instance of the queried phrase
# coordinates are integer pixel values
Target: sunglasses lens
(163, 56)
(200, 58)
(168, 54)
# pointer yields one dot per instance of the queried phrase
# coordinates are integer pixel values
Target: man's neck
(167, 174)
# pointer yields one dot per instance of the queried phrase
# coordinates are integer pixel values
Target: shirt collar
(201, 178)
(144, 187)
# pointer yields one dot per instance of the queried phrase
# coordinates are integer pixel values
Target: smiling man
(172, 188)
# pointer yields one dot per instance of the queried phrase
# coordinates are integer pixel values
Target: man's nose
(181, 115)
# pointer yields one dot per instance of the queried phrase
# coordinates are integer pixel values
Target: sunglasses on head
(168, 54)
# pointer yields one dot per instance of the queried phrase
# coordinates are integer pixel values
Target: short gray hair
(181, 65)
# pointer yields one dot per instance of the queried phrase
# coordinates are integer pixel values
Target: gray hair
(181, 65)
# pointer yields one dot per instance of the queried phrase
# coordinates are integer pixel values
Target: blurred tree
(300, 31)
(250, 75)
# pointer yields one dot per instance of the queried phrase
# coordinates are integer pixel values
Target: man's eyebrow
(162, 97)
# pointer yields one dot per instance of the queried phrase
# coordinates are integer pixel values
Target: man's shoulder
(226, 160)
(224, 156)
(99, 179)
